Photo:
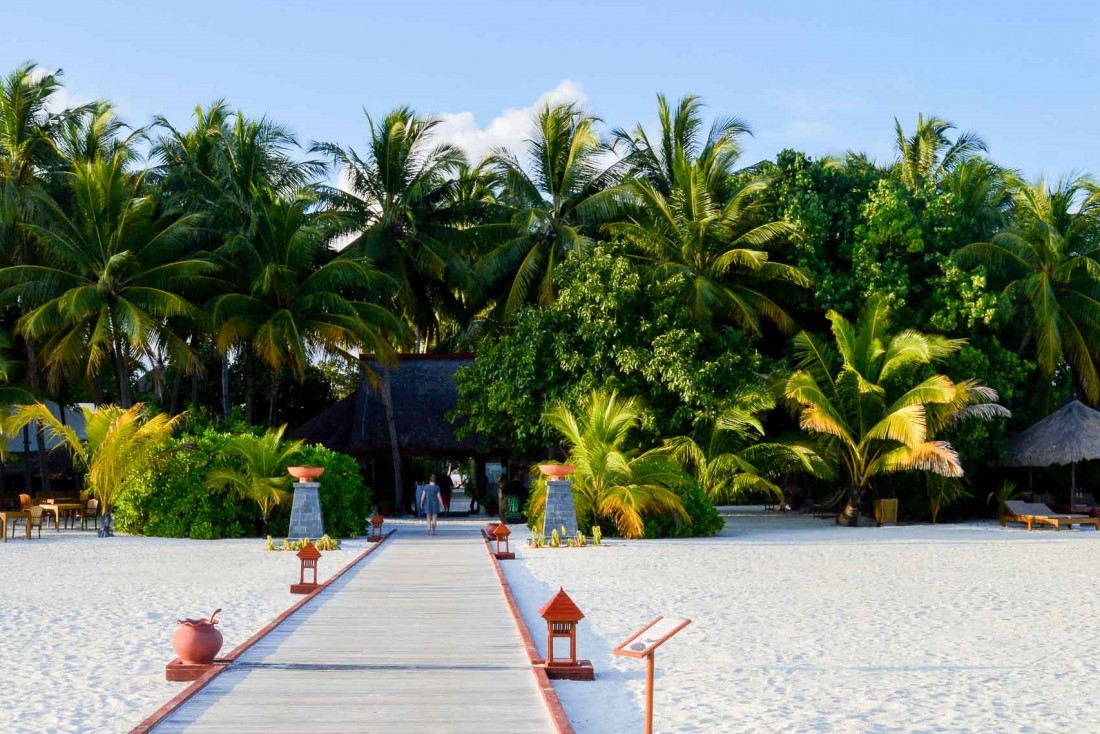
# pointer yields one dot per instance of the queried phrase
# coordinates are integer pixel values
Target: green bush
(705, 519)
(172, 499)
(345, 499)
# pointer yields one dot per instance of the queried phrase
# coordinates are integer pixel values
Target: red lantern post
(376, 528)
(500, 534)
(308, 555)
(562, 616)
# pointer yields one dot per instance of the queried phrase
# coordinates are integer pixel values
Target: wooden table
(12, 516)
(58, 508)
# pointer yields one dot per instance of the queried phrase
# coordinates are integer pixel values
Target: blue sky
(818, 76)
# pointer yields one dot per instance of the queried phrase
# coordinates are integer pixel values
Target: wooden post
(649, 693)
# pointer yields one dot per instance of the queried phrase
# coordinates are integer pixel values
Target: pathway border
(546, 688)
(221, 664)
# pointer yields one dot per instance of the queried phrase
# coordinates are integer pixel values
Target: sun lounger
(1037, 513)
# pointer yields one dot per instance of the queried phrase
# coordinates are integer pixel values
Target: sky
(818, 76)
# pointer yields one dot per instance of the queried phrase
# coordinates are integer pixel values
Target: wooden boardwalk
(417, 638)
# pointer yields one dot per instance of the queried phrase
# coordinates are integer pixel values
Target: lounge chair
(1037, 513)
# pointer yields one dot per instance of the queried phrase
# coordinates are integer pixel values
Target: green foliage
(702, 517)
(943, 493)
(345, 498)
(609, 328)
(172, 498)
(597, 535)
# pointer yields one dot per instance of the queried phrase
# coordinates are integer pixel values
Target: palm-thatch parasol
(1066, 436)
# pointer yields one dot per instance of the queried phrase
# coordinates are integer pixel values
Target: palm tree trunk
(195, 389)
(849, 517)
(225, 383)
(248, 385)
(273, 398)
(177, 384)
(122, 373)
(40, 441)
(395, 451)
(27, 486)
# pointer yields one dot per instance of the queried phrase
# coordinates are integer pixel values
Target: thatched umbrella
(1066, 436)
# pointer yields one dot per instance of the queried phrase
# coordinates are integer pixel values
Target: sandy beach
(86, 623)
(800, 626)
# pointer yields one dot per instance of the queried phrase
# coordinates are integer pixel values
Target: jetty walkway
(418, 637)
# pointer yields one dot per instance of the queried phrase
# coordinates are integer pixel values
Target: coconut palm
(728, 459)
(612, 481)
(398, 200)
(929, 153)
(1047, 261)
(680, 139)
(865, 397)
(262, 476)
(95, 131)
(120, 445)
(718, 247)
(553, 197)
(117, 264)
(299, 296)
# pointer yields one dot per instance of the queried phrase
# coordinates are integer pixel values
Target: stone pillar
(305, 512)
(559, 508)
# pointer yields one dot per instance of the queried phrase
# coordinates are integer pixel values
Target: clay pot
(557, 471)
(197, 641)
(306, 473)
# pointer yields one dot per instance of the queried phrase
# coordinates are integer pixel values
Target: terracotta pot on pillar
(198, 641)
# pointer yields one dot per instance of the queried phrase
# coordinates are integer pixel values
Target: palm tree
(716, 246)
(866, 399)
(1047, 260)
(929, 153)
(120, 445)
(680, 139)
(398, 201)
(555, 204)
(95, 131)
(116, 266)
(728, 459)
(299, 294)
(262, 477)
(612, 481)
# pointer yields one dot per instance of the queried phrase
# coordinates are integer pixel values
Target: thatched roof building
(424, 393)
(1066, 436)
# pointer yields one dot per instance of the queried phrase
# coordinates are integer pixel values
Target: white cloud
(508, 129)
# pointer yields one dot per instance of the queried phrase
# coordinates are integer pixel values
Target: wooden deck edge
(557, 713)
(150, 722)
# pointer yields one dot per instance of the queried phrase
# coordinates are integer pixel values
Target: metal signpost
(642, 644)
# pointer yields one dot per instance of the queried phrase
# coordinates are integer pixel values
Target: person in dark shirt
(446, 488)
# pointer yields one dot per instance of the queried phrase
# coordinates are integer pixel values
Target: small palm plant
(262, 476)
(729, 460)
(611, 480)
(120, 445)
(866, 399)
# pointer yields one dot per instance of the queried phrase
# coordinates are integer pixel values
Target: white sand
(86, 623)
(800, 626)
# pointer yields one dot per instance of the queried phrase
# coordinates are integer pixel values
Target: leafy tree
(612, 481)
(1047, 261)
(876, 414)
(262, 476)
(120, 444)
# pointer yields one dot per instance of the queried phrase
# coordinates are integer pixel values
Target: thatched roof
(423, 392)
(1066, 436)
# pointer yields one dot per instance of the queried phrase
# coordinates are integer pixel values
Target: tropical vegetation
(225, 266)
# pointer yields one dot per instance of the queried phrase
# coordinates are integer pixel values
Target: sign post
(643, 644)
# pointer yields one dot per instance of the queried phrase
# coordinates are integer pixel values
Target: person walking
(431, 503)
(446, 487)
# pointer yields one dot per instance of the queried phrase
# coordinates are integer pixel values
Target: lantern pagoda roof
(376, 519)
(309, 552)
(501, 531)
(561, 609)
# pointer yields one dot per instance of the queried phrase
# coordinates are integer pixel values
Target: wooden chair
(90, 512)
(1037, 513)
(35, 520)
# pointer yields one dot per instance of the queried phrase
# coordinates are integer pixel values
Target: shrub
(171, 499)
(705, 519)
